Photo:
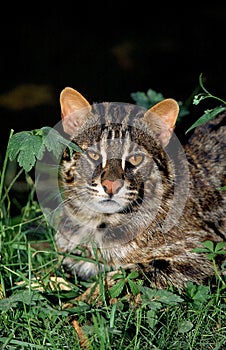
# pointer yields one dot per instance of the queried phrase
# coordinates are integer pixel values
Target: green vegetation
(38, 304)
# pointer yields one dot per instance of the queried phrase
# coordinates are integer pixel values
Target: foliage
(33, 313)
(149, 99)
(211, 250)
(125, 281)
(28, 146)
(208, 114)
(35, 289)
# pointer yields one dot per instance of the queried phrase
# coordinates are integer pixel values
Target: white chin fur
(108, 207)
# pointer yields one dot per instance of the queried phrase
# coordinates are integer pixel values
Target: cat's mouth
(119, 204)
(109, 206)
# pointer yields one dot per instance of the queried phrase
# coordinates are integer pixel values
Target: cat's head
(122, 159)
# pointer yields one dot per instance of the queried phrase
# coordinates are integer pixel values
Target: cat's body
(133, 198)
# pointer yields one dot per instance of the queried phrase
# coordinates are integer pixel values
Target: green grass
(35, 318)
(32, 305)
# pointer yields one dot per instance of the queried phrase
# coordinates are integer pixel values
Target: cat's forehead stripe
(121, 137)
(103, 152)
(117, 113)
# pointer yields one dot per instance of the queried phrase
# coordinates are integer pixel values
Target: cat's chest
(87, 229)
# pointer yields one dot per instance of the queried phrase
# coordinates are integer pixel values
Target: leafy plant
(28, 146)
(124, 281)
(152, 97)
(212, 251)
(210, 113)
(156, 300)
(197, 295)
(148, 99)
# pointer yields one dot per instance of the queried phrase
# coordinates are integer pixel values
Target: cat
(134, 197)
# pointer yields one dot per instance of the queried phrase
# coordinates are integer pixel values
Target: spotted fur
(134, 198)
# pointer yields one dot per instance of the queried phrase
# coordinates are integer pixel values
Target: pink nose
(112, 187)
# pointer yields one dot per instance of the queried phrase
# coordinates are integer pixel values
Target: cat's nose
(112, 187)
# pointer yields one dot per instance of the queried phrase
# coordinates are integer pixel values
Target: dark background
(106, 51)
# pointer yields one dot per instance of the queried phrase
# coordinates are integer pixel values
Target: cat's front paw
(82, 269)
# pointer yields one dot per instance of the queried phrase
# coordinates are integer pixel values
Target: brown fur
(168, 201)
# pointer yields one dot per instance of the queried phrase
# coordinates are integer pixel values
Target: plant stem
(4, 166)
(207, 92)
(2, 182)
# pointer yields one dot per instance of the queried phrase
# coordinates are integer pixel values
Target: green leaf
(211, 256)
(147, 100)
(209, 245)
(169, 298)
(211, 249)
(27, 147)
(200, 250)
(117, 276)
(15, 143)
(220, 246)
(206, 117)
(185, 326)
(152, 318)
(140, 98)
(202, 294)
(31, 151)
(51, 142)
(56, 143)
(155, 305)
(160, 295)
(25, 297)
(117, 288)
(133, 274)
(191, 289)
(222, 188)
(199, 294)
(154, 97)
(221, 252)
(135, 290)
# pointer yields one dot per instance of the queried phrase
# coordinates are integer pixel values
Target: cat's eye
(93, 155)
(136, 159)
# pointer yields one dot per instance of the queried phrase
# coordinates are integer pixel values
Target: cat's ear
(74, 110)
(162, 119)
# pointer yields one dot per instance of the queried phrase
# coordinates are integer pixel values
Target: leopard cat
(133, 197)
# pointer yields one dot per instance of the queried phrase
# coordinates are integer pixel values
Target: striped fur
(122, 189)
